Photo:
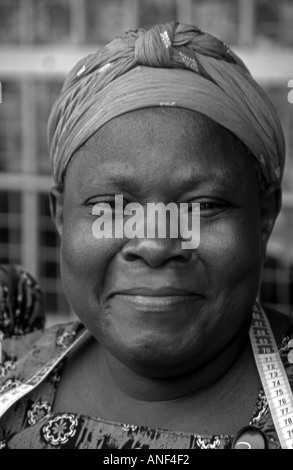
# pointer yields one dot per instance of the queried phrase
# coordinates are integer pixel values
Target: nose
(155, 251)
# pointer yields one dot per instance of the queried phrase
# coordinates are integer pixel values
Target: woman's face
(163, 155)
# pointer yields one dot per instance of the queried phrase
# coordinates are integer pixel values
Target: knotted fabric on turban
(169, 65)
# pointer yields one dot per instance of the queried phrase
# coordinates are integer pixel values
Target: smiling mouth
(146, 302)
(155, 299)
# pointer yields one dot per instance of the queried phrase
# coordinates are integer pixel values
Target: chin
(151, 355)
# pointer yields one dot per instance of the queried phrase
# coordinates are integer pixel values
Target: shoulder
(24, 355)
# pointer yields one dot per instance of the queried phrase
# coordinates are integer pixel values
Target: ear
(271, 203)
(56, 208)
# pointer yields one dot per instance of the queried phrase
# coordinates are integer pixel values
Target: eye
(207, 207)
(210, 208)
(106, 205)
(204, 206)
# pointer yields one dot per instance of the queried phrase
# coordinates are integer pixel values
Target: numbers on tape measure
(265, 350)
(269, 358)
(284, 411)
(273, 377)
(261, 332)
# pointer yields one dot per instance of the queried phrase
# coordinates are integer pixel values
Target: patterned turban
(171, 64)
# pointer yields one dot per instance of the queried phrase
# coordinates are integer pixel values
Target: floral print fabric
(31, 424)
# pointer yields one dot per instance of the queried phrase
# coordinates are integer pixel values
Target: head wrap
(169, 65)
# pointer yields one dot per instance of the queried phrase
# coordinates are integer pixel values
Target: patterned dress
(30, 423)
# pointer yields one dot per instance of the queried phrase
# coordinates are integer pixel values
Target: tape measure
(270, 367)
(273, 376)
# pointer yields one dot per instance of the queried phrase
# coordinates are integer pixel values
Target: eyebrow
(126, 182)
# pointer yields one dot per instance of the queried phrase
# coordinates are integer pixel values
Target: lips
(154, 300)
(153, 292)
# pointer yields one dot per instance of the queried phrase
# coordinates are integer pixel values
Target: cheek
(84, 261)
(231, 251)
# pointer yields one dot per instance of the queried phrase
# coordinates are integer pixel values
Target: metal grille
(10, 227)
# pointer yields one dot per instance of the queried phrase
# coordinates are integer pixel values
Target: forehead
(156, 142)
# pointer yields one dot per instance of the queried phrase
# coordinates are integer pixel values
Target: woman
(170, 339)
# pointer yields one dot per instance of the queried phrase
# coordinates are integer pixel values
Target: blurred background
(40, 40)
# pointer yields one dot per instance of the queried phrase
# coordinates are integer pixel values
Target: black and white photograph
(146, 227)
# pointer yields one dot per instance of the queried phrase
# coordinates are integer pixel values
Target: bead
(81, 71)
(104, 67)
(290, 356)
(189, 62)
(166, 39)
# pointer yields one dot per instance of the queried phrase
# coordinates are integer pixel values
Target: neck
(144, 388)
